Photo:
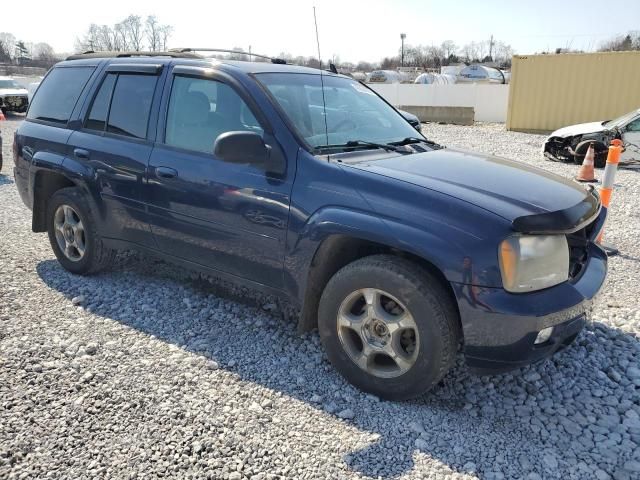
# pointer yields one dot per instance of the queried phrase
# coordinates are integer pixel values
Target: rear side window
(59, 93)
(122, 104)
(100, 109)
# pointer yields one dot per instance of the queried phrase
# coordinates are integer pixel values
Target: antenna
(324, 103)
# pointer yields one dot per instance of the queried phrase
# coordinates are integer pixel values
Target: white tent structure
(435, 79)
(480, 74)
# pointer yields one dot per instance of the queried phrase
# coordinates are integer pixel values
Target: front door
(228, 217)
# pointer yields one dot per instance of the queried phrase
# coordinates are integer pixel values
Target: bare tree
(449, 48)
(621, 43)
(165, 33)
(7, 46)
(134, 31)
(152, 31)
(43, 52)
(121, 42)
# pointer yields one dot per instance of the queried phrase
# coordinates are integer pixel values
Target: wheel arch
(338, 250)
(45, 184)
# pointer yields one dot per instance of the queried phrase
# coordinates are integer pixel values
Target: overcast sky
(354, 30)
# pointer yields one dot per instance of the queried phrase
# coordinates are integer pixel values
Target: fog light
(543, 335)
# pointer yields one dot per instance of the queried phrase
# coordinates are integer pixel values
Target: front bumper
(500, 328)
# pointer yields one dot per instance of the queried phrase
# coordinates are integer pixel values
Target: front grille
(579, 250)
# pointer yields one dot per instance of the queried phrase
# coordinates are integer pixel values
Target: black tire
(429, 304)
(96, 256)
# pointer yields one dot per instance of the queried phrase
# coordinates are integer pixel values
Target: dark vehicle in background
(309, 186)
(13, 96)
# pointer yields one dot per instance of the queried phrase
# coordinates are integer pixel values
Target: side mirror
(411, 118)
(241, 147)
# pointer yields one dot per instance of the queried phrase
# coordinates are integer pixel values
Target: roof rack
(222, 50)
(108, 54)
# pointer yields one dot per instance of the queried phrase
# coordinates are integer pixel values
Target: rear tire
(406, 351)
(73, 235)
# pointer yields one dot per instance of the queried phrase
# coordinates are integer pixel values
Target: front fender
(446, 255)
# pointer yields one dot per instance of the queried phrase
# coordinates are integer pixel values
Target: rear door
(228, 217)
(114, 141)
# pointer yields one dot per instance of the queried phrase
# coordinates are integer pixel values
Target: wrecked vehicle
(570, 144)
(13, 96)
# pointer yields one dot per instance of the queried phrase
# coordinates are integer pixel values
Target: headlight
(533, 262)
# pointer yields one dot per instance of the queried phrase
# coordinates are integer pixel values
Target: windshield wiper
(359, 144)
(410, 140)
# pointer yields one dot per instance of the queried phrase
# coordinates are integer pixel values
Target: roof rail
(222, 50)
(109, 54)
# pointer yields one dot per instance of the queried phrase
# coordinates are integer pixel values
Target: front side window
(634, 126)
(352, 112)
(58, 94)
(202, 109)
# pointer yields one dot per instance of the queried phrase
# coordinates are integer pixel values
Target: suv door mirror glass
(241, 147)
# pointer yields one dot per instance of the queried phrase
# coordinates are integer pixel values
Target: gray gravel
(143, 372)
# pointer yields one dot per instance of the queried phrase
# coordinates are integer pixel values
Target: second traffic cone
(2, 117)
(586, 172)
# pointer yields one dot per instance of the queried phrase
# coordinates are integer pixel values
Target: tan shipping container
(548, 92)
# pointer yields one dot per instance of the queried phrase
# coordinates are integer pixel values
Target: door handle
(81, 153)
(166, 172)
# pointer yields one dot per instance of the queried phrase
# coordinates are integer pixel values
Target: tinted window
(100, 108)
(200, 110)
(59, 93)
(130, 105)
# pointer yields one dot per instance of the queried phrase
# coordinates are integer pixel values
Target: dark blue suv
(308, 185)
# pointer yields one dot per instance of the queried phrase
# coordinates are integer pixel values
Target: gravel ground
(142, 372)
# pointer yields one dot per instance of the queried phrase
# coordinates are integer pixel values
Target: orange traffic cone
(586, 172)
(2, 117)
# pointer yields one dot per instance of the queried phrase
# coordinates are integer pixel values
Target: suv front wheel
(72, 233)
(388, 326)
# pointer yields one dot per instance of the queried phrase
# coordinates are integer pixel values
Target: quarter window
(58, 94)
(201, 109)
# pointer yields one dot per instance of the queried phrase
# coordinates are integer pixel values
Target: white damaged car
(570, 144)
(13, 96)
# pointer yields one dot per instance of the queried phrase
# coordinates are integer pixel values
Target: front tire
(388, 326)
(73, 235)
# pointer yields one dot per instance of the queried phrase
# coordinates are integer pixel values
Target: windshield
(620, 121)
(354, 113)
(10, 84)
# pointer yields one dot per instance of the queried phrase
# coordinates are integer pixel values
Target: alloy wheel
(378, 333)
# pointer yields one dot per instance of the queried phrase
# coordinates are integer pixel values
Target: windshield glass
(9, 84)
(620, 121)
(354, 113)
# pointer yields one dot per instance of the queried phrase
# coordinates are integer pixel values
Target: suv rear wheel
(72, 233)
(388, 326)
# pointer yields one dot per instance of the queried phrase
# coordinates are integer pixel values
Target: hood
(579, 129)
(13, 91)
(532, 199)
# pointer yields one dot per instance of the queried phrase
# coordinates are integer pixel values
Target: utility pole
(249, 52)
(402, 37)
(491, 47)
